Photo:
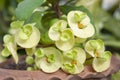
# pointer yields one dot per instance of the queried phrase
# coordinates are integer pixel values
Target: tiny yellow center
(73, 62)
(46, 59)
(80, 26)
(96, 54)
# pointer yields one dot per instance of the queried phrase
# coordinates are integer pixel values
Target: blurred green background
(7, 8)
(106, 15)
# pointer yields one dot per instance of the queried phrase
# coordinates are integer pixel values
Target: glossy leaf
(36, 18)
(26, 7)
(45, 39)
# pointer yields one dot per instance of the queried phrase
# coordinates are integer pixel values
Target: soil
(10, 64)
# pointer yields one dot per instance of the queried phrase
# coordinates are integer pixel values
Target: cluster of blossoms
(71, 45)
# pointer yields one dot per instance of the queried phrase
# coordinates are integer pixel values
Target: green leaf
(26, 7)
(53, 21)
(36, 18)
(45, 38)
(47, 18)
(41, 20)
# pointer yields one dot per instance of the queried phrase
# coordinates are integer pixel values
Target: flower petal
(12, 48)
(54, 31)
(66, 45)
(80, 54)
(86, 32)
(102, 63)
(96, 46)
(72, 68)
(50, 67)
(32, 41)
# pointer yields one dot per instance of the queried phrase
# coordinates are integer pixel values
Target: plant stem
(58, 10)
(56, 7)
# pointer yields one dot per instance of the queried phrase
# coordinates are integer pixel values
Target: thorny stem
(58, 10)
(56, 7)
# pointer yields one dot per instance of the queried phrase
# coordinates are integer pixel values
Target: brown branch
(56, 8)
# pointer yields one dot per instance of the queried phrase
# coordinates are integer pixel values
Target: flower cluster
(102, 58)
(71, 45)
